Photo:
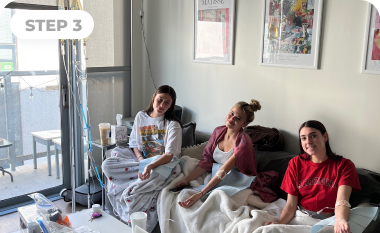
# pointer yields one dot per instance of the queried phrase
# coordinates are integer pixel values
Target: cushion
(188, 134)
(201, 137)
(369, 183)
(194, 151)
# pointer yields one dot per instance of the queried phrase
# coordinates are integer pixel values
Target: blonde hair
(249, 109)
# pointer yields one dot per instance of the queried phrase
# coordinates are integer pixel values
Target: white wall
(137, 93)
(337, 94)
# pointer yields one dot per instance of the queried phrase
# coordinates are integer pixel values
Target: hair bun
(255, 105)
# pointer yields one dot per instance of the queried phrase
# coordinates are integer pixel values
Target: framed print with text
(371, 51)
(214, 31)
(290, 33)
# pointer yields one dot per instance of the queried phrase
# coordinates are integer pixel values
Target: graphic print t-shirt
(154, 136)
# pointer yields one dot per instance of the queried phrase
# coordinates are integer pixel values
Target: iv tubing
(89, 134)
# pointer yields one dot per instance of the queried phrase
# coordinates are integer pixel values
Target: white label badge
(52, 24)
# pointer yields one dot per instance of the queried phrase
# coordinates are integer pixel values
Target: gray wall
(108, 46)
(337, 94)
(109, 42)
(137, 51)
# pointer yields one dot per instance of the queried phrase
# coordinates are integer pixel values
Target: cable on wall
(146, 47)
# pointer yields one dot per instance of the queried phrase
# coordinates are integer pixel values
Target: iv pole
(72, 49)
(61, 6)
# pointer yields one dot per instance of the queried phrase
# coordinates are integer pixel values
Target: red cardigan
(245, 161)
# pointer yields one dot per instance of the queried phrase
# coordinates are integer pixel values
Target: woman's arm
(173, 139)
(165, 158)
(288, 212)
(198, 171)
(342, 211)
(138, 154)
(213, 182)
(222, 171)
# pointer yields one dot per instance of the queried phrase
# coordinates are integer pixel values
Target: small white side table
(4, 144)
(104, 149)
(44, 137)
(57, 146)
(104, 224)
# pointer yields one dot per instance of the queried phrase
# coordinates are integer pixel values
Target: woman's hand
(341, 226)
(190, 201)
(146, 174)
(183, 182)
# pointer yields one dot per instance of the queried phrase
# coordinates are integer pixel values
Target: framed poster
(371, 51)
(213, 31)
(290, 33)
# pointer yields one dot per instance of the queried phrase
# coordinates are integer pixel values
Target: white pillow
(194, 151)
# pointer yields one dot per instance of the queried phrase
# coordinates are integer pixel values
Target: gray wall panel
(109, 43)
(100, 44)
(108, 95)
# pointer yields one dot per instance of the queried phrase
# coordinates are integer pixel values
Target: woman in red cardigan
(228, 146)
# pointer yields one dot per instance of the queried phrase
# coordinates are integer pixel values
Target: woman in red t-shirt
(318, 181)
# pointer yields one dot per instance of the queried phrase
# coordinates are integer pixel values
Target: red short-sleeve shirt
(316, 184)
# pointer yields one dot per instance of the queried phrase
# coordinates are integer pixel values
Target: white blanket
(127, 193)
(221, 213)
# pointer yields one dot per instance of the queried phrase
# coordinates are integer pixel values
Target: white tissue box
(119, 133)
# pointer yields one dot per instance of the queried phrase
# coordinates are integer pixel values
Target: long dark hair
(169, 114)
(319, 126)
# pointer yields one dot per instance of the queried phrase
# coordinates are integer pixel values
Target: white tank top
(220, 156)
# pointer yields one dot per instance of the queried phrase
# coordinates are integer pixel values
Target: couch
(278, 161)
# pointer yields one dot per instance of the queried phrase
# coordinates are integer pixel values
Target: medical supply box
(28, 214)
(119, 133)
(128, 121)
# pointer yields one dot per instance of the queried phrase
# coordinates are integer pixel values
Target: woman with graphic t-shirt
(156, 131)
(319, 180)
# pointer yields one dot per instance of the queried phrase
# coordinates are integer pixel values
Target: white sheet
(221, 213)
(127, 193)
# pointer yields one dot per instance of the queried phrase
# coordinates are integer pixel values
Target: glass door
(33, 116)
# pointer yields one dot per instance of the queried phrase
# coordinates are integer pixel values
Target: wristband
(343, 203)
(201, 192)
